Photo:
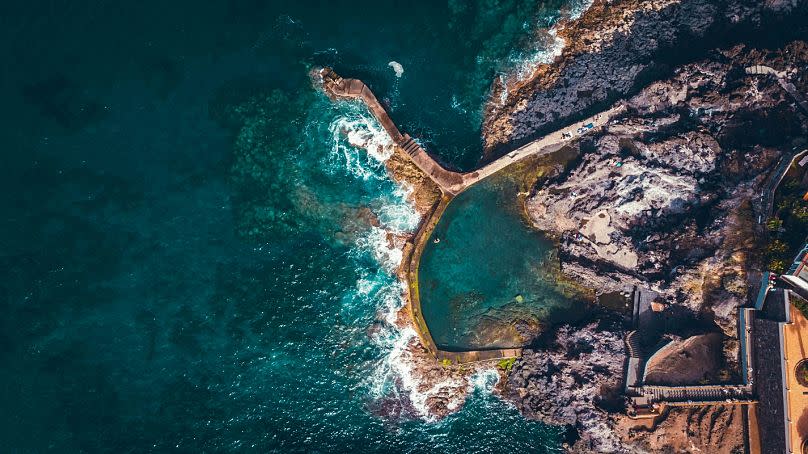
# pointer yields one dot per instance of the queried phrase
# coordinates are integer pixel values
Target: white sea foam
(360, 144)
(385, 252)
(397, 68)
(484, 380)
(552, 47)
(548, 46)
(457, 105)
(578, 7)
(396, 374)
(398, 215)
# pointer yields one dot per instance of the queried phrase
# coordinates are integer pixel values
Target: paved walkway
(337, 87)
(454, 182)
(792, 90)
(451, 183)
(746, 319)
(545, 145)
(782, 79)
(767, 196)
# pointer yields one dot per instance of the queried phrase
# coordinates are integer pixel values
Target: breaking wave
(360, 146)
(485, 380)
(397, 68)
(546, 47)
(578, 7)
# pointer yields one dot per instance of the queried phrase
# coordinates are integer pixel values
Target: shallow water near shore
(196, 253)
(486, 277)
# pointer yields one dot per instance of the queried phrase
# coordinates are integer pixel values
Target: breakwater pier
(448, 181)
(451, 184)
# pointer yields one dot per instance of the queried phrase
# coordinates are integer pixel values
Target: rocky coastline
(667, 196)
(616, 48)
(572, 381)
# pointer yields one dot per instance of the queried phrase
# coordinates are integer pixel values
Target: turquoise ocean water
(487, 278)
(194, 248)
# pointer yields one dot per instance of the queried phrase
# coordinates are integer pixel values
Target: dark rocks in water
(665, 188)
(574, 381)
(394, 408)
(616, 48)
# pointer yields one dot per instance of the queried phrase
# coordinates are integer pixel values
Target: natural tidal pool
(486, 278)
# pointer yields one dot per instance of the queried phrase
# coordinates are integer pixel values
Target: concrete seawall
(339, 88)
(412, 260)
(450, 183)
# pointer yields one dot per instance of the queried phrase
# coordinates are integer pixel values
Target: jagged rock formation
(424, 191)
(613, 50)
(668, 196)
(570, 382)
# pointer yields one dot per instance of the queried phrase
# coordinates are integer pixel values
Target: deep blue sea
(193, 246)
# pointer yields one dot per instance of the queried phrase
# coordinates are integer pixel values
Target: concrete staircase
(707, 393)
(409, 145)
(633, 345)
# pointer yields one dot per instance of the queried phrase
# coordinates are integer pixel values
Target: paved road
(545, 145)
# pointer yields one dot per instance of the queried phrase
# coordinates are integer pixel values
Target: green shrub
(776, 248)
(506, 364)
(801, 305)
(774, 224)
(777, 266)
(800, 213)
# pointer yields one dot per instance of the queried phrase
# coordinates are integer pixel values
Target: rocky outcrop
(572, 382)
(425, 193)
(688, 361)
(613, 50)
(667, 196)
